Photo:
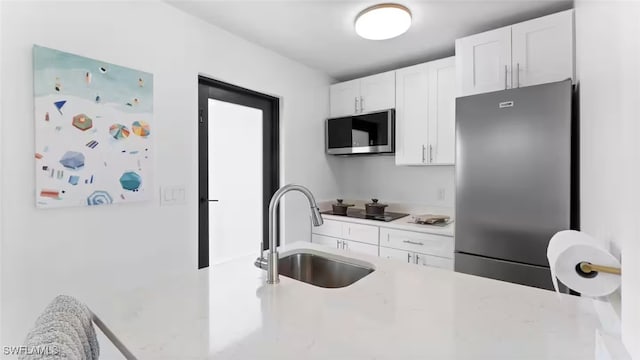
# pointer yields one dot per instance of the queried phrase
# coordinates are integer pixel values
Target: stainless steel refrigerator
(515, 181)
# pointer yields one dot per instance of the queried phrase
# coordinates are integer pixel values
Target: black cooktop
(361, 214)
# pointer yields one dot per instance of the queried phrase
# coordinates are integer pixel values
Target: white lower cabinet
(361, 233)
(416, 258)
(430, 244)
(326, 241)
(433, 261)
(407, 246)
(329, 228)
(361, 248)
(347, 245)
(395, 254)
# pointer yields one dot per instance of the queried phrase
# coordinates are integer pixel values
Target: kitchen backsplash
(377, 176)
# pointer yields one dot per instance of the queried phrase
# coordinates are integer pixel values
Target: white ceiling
(320, 34)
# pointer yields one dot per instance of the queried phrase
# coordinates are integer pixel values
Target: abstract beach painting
(94, 131)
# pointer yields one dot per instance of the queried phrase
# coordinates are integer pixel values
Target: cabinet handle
(430, 153)
(412, 242)
(423, 156)
(345, 245)
(517, 74)
(505, 77)
(361, 104)
(409, 258)
(417, 258)
(355, 101)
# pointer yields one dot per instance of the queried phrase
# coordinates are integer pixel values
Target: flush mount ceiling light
(383, 21)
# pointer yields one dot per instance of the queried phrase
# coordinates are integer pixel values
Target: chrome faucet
(272, 257)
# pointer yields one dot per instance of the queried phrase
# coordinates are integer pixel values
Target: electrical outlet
(441, 194)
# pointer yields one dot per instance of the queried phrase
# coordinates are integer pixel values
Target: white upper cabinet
(412, 114)
(442, 112)
(529, 53)
(425, 113)
(368, 94)
(378, 92)
(345, 98)
(543, 50)
(484, 62)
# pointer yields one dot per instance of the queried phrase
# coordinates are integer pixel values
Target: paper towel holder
(589, 270)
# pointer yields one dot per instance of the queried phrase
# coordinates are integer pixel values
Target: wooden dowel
(588, 268)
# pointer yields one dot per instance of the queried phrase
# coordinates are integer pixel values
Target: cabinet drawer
(362, 233)
(395, 254)
(419, 242)
(361, 248)
(433, 261)
(328, 228)
(326, 240)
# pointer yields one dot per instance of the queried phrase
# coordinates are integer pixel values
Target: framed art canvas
(93, 131)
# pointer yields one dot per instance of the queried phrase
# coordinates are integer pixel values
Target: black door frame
(270, 106)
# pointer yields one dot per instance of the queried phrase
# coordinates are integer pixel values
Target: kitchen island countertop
(399, 311)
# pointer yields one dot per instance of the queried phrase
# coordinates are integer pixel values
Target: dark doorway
(269, 106)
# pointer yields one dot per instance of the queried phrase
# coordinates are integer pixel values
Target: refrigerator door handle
(423, 155)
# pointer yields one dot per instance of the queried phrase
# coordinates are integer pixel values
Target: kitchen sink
(321, 271)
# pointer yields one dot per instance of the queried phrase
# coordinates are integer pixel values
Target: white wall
(87, 251)
(1, 187)
(608, 54)
(365, 177)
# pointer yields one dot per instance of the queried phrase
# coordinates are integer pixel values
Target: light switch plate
(173, 195)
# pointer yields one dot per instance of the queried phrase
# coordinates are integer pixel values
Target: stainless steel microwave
(371, 133)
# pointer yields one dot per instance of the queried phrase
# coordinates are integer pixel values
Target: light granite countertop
(403, 223)
(398, 224)
(399, 311)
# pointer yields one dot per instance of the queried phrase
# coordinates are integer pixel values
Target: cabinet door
(442, 112)
(329, 228)
(378, 92)
(326, 241)
(483, 62)
(395, 254)
(433, 261)
(344, 98)
(361, 233)
(543, 50)
(412, 114)
(356, 247)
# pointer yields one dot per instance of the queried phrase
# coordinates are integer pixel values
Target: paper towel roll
(569, 248)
